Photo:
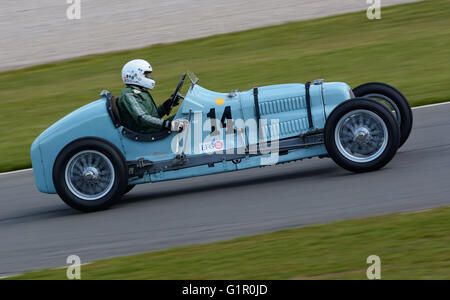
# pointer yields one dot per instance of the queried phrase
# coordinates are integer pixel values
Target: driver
(137, 109)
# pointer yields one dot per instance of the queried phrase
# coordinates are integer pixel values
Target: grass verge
(410, 246)
(407, 48)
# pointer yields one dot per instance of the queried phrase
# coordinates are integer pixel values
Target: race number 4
(226, 121)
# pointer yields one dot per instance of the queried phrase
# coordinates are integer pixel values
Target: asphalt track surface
(39, 231)
(34, 32)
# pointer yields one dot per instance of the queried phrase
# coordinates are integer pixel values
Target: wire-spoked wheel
(361, 135)
(90, 175)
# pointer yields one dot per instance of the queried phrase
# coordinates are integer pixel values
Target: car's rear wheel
(90, 175)
(361, 135)
(394, 100)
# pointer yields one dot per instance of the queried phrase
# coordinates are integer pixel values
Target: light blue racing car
(90, 159)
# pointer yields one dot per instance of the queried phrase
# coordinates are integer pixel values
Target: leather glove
(168, 104)
(176, 125)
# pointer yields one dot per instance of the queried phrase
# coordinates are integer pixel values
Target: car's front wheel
(361, 135)
(90, 175)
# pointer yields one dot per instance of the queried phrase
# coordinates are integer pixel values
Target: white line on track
(15, 172)
(431, 105)
(417, 107)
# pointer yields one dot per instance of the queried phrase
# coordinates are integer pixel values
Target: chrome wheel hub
(90, 174)
(362, 136)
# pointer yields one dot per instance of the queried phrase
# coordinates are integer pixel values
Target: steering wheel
(176, 95)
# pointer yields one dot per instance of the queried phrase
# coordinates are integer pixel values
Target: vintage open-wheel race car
(90, 159)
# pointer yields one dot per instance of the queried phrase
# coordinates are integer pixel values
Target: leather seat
(115, 108)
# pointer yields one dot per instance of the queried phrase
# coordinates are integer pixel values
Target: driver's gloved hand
(168, 104)
(176, 125)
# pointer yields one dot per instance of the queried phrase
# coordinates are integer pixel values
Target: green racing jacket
(139, 112)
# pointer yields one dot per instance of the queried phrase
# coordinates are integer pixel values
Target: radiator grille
(287, 128)
(282, 105)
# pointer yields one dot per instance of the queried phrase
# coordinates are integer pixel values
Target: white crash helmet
(134, 72)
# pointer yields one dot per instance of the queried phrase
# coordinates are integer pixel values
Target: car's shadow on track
(38, 215)
(236, 182)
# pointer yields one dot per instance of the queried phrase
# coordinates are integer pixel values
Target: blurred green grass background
(410, 246)
(408, 48)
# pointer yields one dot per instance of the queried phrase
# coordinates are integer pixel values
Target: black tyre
(394, 100)
(90, 175)
(361, 135)
(129, 188)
